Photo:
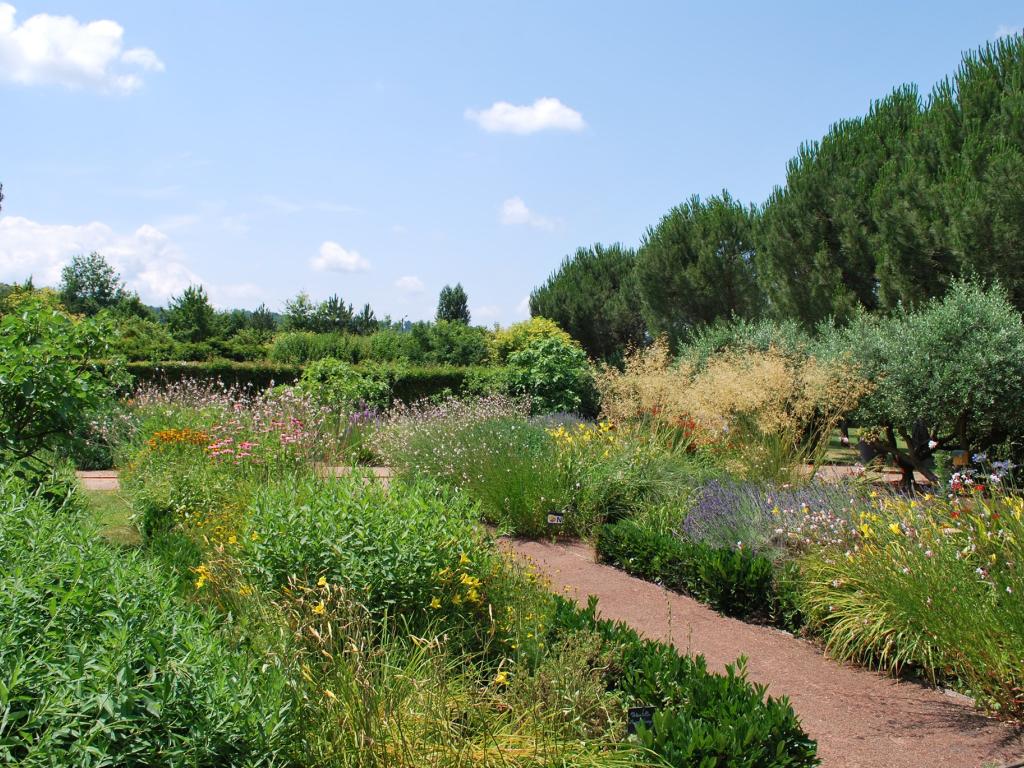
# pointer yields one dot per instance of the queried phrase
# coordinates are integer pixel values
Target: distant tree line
(885, 210)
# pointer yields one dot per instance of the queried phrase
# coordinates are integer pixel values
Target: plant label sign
(637, 715)
(556, 519)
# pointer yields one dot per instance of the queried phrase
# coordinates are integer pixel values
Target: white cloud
(543, 114)
(409, 284)
(334, 258)
(147, 260)
(523, 307)
(485, 312)
(514, 212)
(1005, 31)
(60, 50)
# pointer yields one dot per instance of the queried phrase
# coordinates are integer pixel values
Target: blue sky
(381, 150)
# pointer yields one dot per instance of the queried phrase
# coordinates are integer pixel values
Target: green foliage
(139, 338)
(555, 375)
(700, 718)
(739, 334)
(301, 347)
(408, 382)
(735, 582)
(505, 464)
(102, 664)
(518, 336)
(256, 376)
(89, 284)
(933, 587)
(385, 547)
(593, 295)
(818, 235)
(190, 317)
(49, 380)
(339, 385)
(453, 304)
(451, 342)
(951, 373)
(697, 266)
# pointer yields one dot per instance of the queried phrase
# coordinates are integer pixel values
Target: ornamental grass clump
(768, 409)
(929, 585)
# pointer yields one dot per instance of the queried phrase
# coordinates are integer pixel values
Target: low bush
(301, 347)
(700, 718)
(555, 375)
(403, 552)
(102, 664)
(735, 582)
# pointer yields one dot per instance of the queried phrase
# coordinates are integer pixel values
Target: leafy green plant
(49, 379)
(555, 375)
(735, 582)
(700, 718)
(102, 664)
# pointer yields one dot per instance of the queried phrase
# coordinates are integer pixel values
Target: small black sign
(556, 519)
(637, 715)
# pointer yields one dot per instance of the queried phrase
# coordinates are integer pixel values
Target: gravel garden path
(860, 719)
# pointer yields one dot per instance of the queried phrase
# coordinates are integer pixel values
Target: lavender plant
(742, 515)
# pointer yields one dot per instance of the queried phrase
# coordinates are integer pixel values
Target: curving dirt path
(860, 719)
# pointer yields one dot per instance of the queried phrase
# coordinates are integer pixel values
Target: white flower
(933, 444)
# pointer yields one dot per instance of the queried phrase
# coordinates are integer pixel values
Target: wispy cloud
(409, 284)
(514, 212)
(334, 258)
(60, 50)
(544, 114)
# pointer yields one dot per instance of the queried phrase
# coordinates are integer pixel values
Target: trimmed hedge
(408, 383)
(737, 583)
(700, 718)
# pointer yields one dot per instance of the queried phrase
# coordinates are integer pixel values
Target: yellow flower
(329, 693)
(501, 678)
(321, 582)
(232, 539)
(894, 528)
(469, 581)
(463, 560)
(319, 609)
(473, 596)
(435, 603)
(245, 591)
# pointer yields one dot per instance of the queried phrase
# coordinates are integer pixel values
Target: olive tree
(948, 375)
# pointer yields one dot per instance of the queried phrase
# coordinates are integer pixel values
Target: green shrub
(49, 382)
(339, 385)
(555, 375)
(388, 548)
(102, 664)
(301, 347)
(519, 336)
(700, 718)
(735, 582)
(254, 376)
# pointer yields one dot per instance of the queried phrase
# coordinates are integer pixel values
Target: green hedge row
(735, 582)
(408, 383)
(700, 718)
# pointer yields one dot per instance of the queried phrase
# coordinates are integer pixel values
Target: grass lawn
(114, 515)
